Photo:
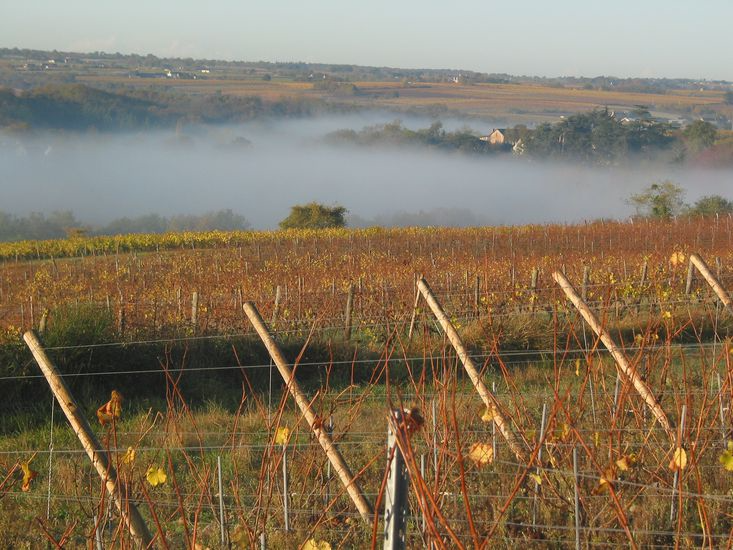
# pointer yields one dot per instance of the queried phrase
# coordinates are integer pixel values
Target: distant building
(497, 137)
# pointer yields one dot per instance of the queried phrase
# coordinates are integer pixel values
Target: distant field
(515, 101)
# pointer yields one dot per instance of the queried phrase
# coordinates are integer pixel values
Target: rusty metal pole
(96, 453)
(332, 452)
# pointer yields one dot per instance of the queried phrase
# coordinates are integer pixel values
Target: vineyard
(555, 386)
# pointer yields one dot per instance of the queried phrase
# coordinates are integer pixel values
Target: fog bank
(102, 177)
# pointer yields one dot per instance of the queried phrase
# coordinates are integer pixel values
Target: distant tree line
(80, 107)
(63, 224)
(600, 137)
(597, 137)
(394, 133)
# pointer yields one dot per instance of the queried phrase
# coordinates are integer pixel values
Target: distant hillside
(80, 107)
(76, 107)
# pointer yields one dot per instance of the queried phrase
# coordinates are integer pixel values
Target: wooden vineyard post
(332, 452)
(486, 396)
(194, 310)
(621, 362)
(477, 296)
(690, 278)
(712, 280)
(413, 317)
(96, 453)
(276, 307)
(586, 281)
(533, 288)
(347, 313)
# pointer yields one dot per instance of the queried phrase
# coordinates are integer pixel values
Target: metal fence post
(577, 499)
(286, 496)
(395, 499)
(222, 519)
(676, 480)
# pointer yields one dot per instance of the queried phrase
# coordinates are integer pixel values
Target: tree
(700, 135)
(314, 216)
(661, 200)
(711, 205)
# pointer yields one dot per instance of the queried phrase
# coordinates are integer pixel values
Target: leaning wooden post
(712, 280)
(487, 397)
(333, 454)
(621, 362)
(96, 453)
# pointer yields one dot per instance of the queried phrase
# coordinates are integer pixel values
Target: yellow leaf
(156, 476)
(536, 478)
(679, 460)
(314, 544)
(28, 475)
(562, 432)
(604, 483)
(481, 454)
(488, 416)
(110, 411)
(129, 456)
(577, 367)
(678, 258)
(626, 462)
(281, 435)
(726, 459)
(596, 438)
(666, 315)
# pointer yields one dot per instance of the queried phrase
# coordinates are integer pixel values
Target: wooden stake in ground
(712, 280)
(621, 362)
(95, 452)
(333, 454)
(473, 372)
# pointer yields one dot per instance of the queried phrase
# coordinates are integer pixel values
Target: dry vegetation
(634, 488)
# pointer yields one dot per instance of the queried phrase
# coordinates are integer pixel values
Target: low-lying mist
(261, 169)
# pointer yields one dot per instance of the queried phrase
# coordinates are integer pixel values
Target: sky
(643, 38)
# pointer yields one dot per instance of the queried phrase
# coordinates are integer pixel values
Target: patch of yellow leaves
(677, 258)
(156, 476)
(481, 454)
(314, 544)
(281, 435)
(28, 475)
(626, 462)
(488, 416)
(129, 456)
(679, 460)
(111, 410)
(726, 459)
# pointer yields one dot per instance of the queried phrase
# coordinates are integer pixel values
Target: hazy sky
(683, 38)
